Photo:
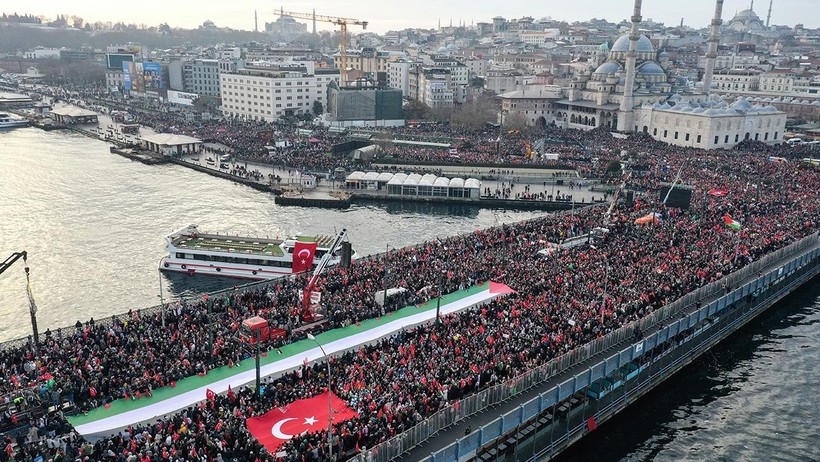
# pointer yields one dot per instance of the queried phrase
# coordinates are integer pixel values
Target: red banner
(303, 254)
(275, 428)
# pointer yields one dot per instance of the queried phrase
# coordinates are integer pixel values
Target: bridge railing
(489, 397)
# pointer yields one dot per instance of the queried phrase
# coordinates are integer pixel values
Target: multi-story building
(267, 93)
(201, 76)
(114, 78)
(324, 76)
(736, 80)
(533, 103)
(42, 53)
(435, 88)
(398, 76)
(777, 81)
(367, 60)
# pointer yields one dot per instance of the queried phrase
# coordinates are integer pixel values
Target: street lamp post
(329, 400)
(438, 303)
(606, 281)
(384, 278)
(161, 299)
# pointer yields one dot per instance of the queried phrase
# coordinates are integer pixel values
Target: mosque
(636, 89)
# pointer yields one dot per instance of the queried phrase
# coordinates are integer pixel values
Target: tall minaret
(711, 47)
(625, 113)
(314, 21)
(769, 16)
(255, 22)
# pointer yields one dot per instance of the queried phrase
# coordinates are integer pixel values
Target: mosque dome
(609, 67)
(622, 44)
(650, 67)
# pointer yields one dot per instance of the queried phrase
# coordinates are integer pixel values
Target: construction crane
(343, 38)
(32, 306)
(307, 313)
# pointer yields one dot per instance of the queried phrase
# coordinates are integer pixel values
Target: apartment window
(699, 139)
(737, 137)
(665, 133)
(676, 135)
(687, 137)
(726, 139)
(766, 136)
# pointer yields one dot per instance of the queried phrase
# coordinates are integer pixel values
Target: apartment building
(267, 93)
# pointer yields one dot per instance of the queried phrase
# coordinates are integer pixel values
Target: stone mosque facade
(636, 89)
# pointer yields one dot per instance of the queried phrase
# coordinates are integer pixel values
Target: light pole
(384, 278)
(606, 280)
(161, 299)
(329, 400)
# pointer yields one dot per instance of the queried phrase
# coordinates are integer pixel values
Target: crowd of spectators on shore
(561, 302)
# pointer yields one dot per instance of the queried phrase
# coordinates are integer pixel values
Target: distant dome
(746, 14)
(443, 51)
(609, 67)
(741, 105)
(650, 67)
(622, 44)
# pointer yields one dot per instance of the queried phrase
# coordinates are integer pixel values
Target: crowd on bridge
(561, 301)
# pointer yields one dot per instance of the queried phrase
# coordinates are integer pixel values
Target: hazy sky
(384, 15)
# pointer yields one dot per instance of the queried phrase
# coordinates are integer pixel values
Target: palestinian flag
(731, 223)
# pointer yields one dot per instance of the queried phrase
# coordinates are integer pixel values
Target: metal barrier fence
(455, 412)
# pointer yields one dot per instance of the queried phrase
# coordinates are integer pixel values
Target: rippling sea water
(94, 222)
(753, 397)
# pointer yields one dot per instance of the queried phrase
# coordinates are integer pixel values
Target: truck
(257, 328)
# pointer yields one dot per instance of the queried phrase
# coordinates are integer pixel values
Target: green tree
(415, 110)
(318, 109)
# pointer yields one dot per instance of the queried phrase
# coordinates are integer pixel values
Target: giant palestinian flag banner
(118, 415)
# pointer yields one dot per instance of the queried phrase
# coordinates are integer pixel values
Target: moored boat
(194, 252)
(7, 121)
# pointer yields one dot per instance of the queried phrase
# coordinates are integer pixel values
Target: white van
(794, 141)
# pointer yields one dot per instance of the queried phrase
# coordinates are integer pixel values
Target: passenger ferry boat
(193, 252)
(7, 121)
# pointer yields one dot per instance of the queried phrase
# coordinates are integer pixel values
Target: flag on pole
(731, 223)
(209, 394)
(303, 253)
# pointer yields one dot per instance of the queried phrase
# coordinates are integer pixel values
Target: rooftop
(169, 139)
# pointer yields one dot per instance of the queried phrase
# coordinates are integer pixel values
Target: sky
(384, 15)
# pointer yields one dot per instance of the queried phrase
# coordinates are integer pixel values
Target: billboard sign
(152, 76)
(182, 98)
(128, 71)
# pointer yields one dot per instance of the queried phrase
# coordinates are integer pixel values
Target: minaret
(255, 22)
(625, 113)
(314, 21)
(769, 16)
(711, 47)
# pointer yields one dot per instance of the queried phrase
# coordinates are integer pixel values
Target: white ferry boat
(194, 252)
(7, 121)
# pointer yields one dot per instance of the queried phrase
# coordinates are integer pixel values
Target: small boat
(193, 252)
(7, 121)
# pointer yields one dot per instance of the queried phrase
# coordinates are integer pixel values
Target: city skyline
(425, 14)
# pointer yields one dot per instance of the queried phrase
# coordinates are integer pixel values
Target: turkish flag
(303, 254)
(209, 394)
(275, 428)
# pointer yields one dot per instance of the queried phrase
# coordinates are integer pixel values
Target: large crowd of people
(561, 301)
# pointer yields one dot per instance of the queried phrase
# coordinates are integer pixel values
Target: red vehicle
(257, 328)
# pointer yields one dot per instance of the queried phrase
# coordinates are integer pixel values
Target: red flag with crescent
(304, 416)
(303, 254)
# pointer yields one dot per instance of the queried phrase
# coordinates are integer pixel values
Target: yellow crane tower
(341, 22)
